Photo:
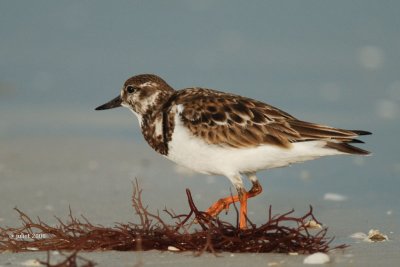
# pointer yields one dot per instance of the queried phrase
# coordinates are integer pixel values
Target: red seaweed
(195, 231)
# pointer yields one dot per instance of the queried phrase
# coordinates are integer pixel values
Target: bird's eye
(130, 89)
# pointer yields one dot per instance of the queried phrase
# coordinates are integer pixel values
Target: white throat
(138, 116)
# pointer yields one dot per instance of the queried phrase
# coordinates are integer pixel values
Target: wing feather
(236, 121)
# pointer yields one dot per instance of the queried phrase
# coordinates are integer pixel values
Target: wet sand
(44, 176)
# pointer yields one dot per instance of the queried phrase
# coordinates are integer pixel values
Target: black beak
(115, 103)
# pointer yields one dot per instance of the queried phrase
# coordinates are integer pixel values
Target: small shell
(275, 263)
(334, 197)
(376, 236)
(317, 258)
(31, 263)
(359, 235)
(311, 224)
(172, 248)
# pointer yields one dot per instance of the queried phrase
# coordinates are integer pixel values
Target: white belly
(195, 154)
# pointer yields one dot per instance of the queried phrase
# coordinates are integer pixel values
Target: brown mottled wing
(232, 120)
(236, 121)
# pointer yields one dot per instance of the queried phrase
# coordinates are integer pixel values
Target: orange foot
(223, 204)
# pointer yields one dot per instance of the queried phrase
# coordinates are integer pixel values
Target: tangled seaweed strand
(69, 261)
(281, 233)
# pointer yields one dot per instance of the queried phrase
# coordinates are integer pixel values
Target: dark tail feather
(361, 132)
(355, 141)
(346, 148)
(310, 130)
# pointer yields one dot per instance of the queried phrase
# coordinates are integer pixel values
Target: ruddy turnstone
(219, 133)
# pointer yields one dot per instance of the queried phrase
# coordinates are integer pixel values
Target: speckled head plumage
(145, 95)
(140, 94)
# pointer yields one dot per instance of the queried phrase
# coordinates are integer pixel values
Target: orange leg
(243, 196)
(223, 203)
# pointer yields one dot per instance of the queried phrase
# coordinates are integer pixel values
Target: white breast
(192, 152)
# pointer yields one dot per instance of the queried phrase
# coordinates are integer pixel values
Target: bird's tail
(345, 147)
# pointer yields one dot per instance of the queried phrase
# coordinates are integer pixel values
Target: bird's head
(141, 94)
